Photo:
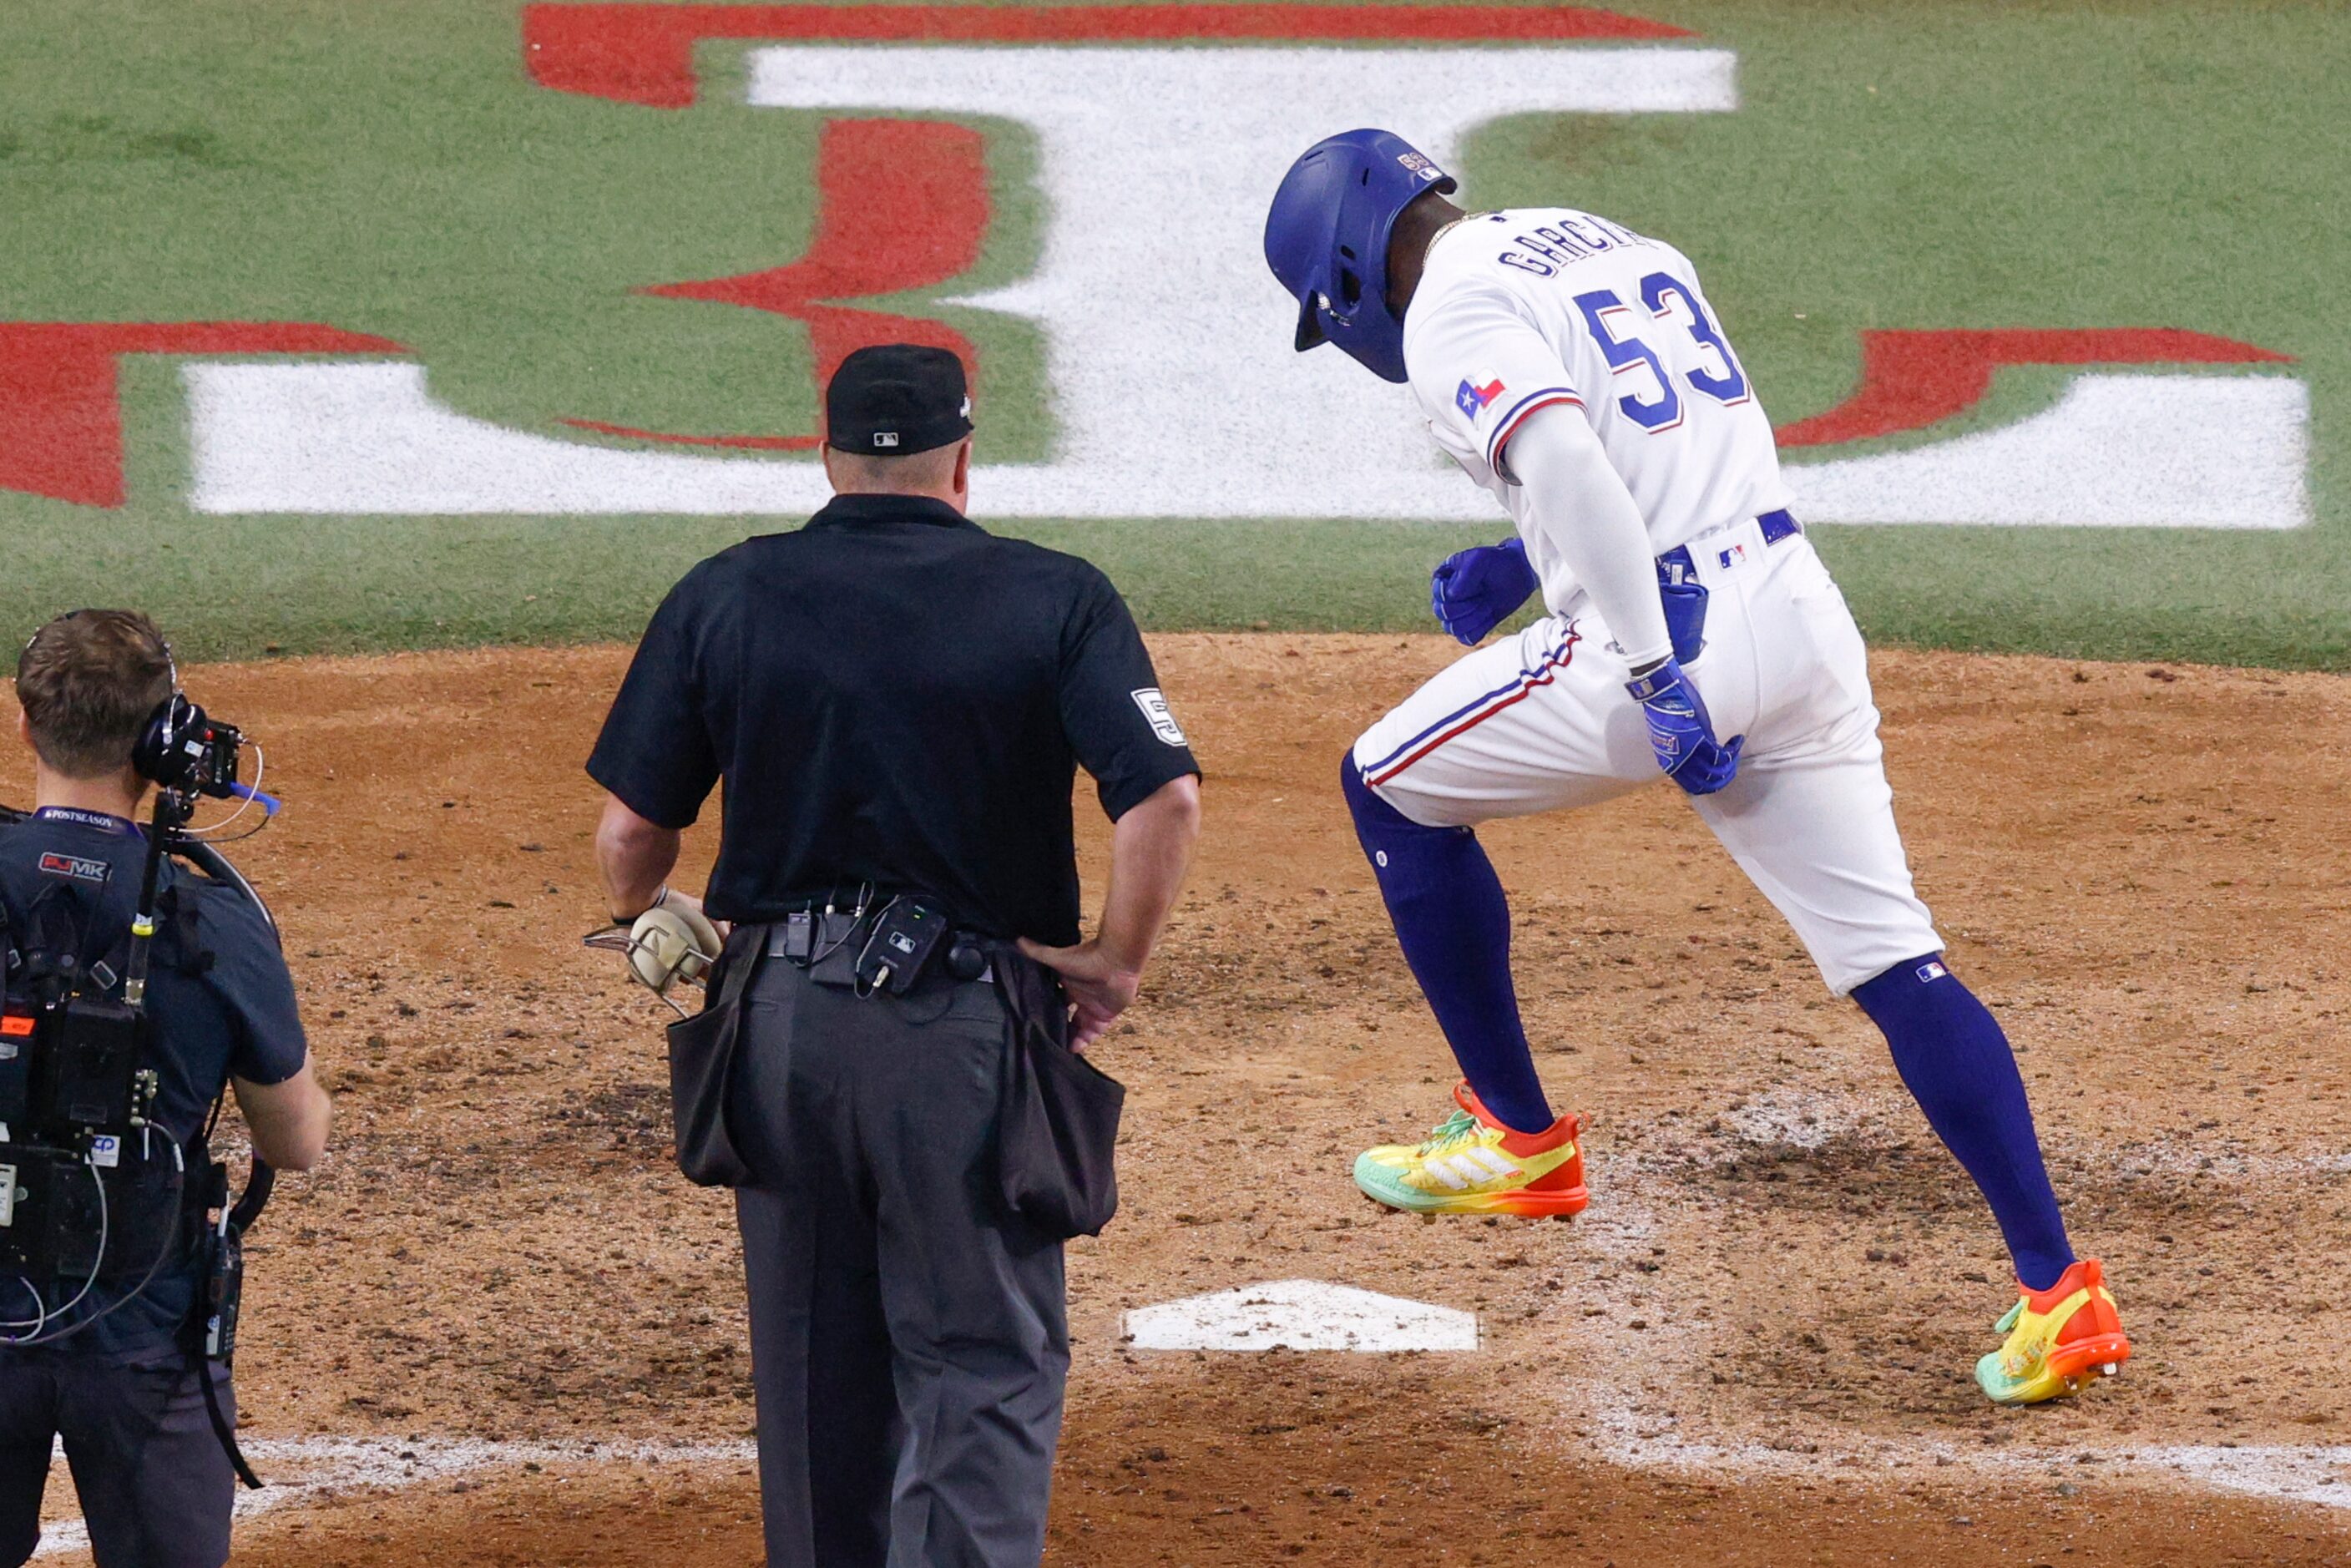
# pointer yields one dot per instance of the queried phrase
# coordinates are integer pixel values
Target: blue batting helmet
(1326, 239)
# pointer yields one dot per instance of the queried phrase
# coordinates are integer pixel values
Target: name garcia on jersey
(1544, 248)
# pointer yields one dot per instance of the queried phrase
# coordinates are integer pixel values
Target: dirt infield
(1754, 1348)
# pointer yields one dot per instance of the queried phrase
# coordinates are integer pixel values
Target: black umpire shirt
(892, 696)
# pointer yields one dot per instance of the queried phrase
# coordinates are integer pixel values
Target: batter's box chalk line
(1300, 1314)
(316, 1469)
(1648, 1435)
(1644, 1440)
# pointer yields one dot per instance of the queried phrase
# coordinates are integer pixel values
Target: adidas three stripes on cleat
(1471, 1164)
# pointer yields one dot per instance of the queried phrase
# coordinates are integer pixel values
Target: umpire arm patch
(1153, 703)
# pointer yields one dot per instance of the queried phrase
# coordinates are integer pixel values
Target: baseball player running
(1576, 369)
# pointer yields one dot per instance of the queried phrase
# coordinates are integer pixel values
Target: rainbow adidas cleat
(1471, 1164)
(2058, 1340)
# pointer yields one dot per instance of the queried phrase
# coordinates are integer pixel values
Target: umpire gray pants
(909, 1336)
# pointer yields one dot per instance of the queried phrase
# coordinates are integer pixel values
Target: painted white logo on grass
(1300, 1314)
(2121, 450)
(1156, 164)
(2116, 451)
(1173, 389)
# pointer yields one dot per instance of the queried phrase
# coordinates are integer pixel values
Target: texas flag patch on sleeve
(1477, 394)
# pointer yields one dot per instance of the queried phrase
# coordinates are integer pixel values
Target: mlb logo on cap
(897, 398)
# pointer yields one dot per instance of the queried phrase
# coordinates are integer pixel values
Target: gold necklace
(1448, 229)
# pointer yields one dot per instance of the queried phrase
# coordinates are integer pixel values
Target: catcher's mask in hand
(670, 944)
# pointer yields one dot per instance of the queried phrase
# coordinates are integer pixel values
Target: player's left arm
(1589, 520)
(1585, 509)
(1481, 367)
(1476, 372)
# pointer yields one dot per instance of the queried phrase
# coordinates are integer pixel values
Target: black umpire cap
(895, 399)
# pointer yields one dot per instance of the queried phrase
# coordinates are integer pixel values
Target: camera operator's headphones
(154, 755)
(157, 755)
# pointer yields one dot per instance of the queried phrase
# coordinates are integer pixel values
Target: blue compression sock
(1454, 923)
(1957, 1065)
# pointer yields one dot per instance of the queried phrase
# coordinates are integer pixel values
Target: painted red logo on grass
(903, 205)
(1910, 380)
(644, 54)
(61, 398)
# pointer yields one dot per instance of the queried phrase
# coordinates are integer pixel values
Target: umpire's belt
(828, 945)
(1680, 564)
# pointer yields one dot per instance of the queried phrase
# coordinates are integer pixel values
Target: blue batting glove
(1477, 590)
(1681, 733)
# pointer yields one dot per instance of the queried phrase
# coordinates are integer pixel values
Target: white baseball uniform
(1544, 308)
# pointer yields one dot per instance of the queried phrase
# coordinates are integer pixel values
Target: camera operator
(114, 1360)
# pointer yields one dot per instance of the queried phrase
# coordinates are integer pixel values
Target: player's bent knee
(1906, 986)
(1380, 827)
(1371, 811)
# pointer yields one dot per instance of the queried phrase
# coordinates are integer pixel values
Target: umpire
(897, 701)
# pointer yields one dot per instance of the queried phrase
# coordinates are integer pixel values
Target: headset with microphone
(182, 749)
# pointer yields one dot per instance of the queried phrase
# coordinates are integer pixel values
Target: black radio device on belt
(897, 952)
(889, 950)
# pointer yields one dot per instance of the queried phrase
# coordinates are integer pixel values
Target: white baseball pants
(1541, 722)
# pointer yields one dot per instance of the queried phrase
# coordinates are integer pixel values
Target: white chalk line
(1800, 1118)
(328, 1467)
(1627, 1432)
(1624, 1433)
(2317, 1474)
(1811, 1121)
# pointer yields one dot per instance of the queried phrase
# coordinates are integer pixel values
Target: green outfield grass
(390, 170)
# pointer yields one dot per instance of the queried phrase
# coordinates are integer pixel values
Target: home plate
(1300, 1314)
